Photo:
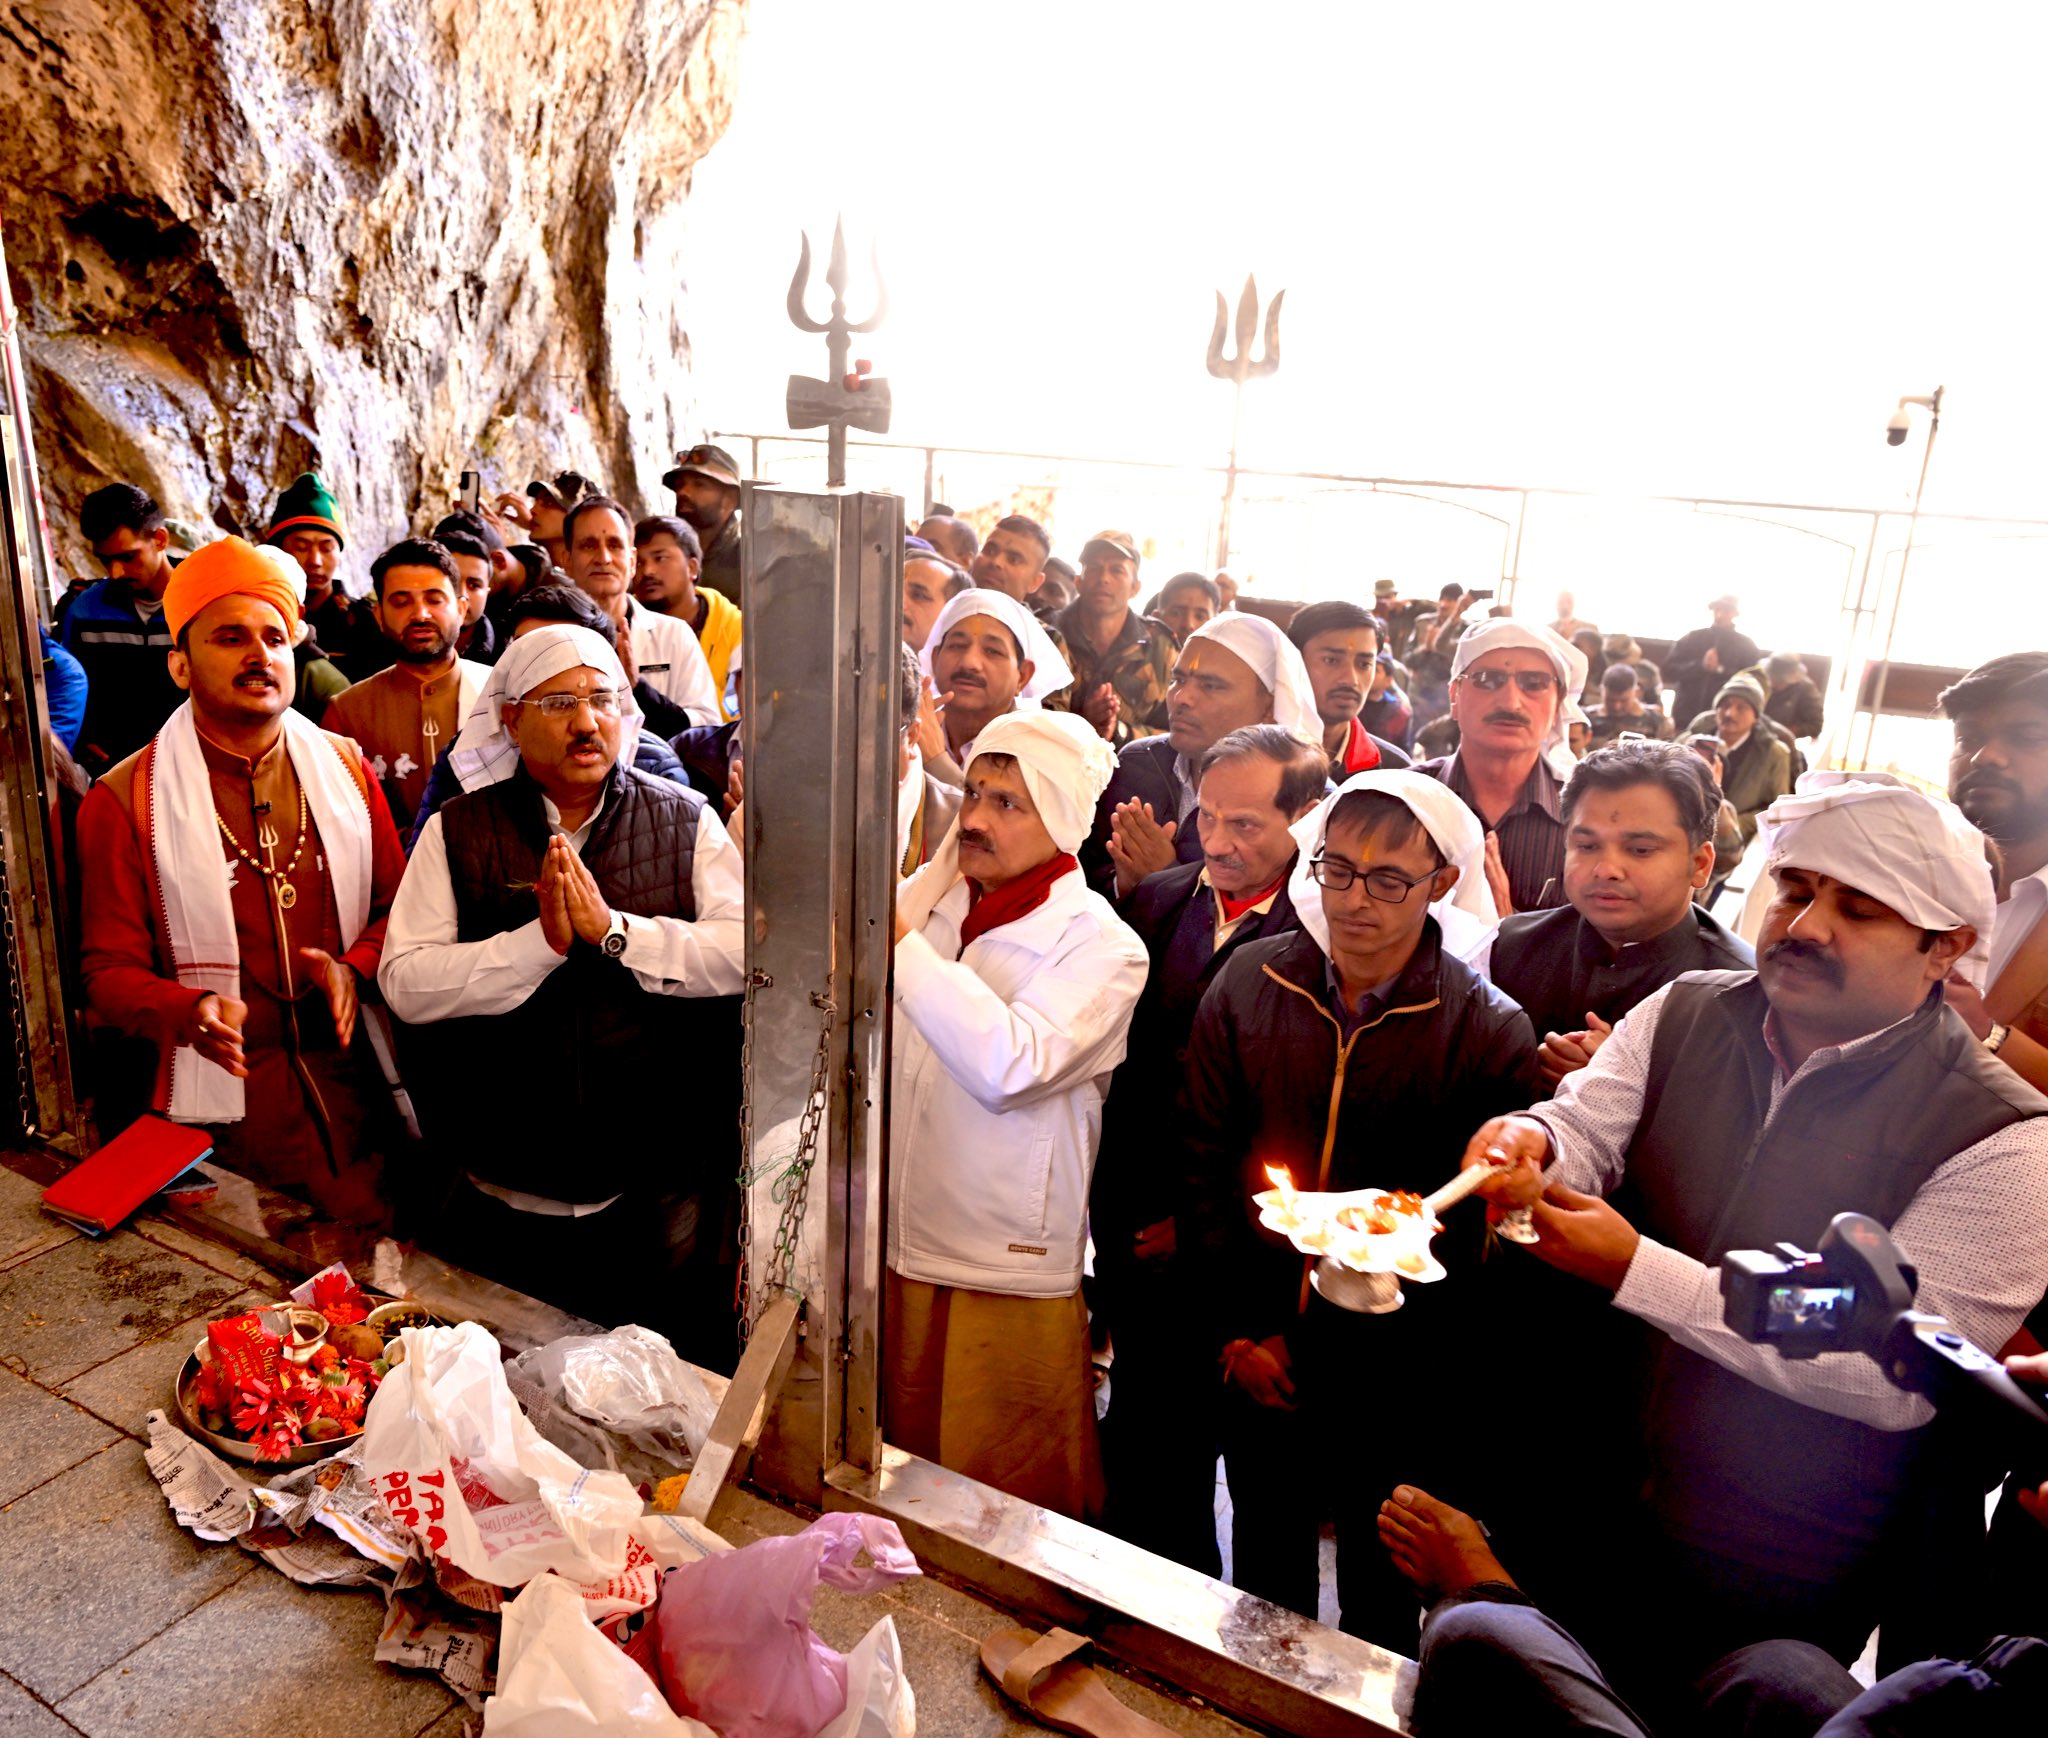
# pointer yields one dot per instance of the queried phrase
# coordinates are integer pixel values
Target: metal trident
(848, 396)
(1237, 370)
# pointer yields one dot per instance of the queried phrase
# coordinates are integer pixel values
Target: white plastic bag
(559, 1678)
(878, 1699)
(454, 1459)
(629, 1382)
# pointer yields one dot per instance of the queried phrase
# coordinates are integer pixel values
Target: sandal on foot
(1040, 1674)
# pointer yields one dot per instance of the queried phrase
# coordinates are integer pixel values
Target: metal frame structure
(32, 902)
(1870, 592)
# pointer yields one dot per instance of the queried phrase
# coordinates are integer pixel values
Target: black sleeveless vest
(1738, 1470)
(593, 1085)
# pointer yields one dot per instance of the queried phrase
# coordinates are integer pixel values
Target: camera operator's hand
(1524, 1143)
(2033, 1371)
(1583, 1236)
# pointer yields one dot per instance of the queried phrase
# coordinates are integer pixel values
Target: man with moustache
(405, 716)
(987, 655)
(1775, 1491)
(1998, 777)
(929, 579)
(1159, 1440)
(1514, 694)
(1013, 989)
(1236, 670)
(662, 659)
(238, 870)
(567, 907)
(1340, 645)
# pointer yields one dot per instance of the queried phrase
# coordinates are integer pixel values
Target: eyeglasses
(605, 702)
(1529, 681)
(1388, 886)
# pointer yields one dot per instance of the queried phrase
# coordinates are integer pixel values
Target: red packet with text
(244, 1350)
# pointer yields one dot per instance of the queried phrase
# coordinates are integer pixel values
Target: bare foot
(1439, 1548)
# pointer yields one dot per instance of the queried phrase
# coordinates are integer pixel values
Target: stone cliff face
(388, 239)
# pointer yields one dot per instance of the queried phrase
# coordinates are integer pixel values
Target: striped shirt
(1531, 834)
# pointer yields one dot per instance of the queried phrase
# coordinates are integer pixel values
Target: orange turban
(224, 569)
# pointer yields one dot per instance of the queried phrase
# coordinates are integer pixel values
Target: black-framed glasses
(1529, 681)
(1388, 886)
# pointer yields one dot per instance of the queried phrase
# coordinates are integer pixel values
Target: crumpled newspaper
(324, 1525)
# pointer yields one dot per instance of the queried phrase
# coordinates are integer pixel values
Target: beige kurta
(403, 724)
(996, 1387)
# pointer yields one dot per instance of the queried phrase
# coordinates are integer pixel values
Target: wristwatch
(614, 942)
(1996, 1036)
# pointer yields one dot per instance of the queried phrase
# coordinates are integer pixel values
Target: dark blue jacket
(129, 691)
(64, 689)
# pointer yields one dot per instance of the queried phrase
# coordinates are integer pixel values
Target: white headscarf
(1049, 674)
(1904, 848)
(484, 751)
(1452, 827)
(1276, 664)
(1500, 633)
(1066, 767)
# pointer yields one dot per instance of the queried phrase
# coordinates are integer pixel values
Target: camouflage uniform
(1138, 666)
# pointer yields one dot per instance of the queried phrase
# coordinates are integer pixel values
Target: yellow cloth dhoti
(996, 1387)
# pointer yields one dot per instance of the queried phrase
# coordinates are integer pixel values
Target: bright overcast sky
(1684, 250)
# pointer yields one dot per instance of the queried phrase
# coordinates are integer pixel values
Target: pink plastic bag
(731, 1642)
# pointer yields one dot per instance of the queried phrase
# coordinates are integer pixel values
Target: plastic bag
(731, 1638)
(454, 1459)
(629, 1383)
(878, 1699)
(558, 1677)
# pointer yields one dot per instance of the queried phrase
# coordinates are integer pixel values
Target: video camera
(1856, 1295)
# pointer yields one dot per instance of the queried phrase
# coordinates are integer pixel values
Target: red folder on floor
(102, 1191)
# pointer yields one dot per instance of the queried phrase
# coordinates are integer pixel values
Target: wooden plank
(736, 1431)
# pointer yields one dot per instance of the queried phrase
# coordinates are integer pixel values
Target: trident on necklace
(850, 397)
(1237, 370)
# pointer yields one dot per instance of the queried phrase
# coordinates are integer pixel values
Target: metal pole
(1884, 667)
(931, 459)
(41, 554)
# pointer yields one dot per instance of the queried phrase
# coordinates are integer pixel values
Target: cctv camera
(1896, 430)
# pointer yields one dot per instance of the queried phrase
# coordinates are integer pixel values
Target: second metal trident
(1238, 369)
(848, 396)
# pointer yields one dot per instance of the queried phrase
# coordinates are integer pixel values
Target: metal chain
(792, 1187)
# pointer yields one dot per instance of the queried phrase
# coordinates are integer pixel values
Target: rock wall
(387, 239)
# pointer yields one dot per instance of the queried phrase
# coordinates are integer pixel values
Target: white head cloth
(1453, 828)
(1275, 663)
(1904, 848)
(1066, 767)
(1503, 633)
(1050, 673)
(484, 751)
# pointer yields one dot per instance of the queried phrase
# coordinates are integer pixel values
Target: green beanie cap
(307, 505)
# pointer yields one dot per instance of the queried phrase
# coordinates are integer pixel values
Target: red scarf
(1012, 900)
(1233, 909)
(1360, 752)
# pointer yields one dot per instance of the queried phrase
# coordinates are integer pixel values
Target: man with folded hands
(1014, 985)
(578, 920)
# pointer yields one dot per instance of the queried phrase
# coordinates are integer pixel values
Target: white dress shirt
(427, 974)
(672, 663)
(2015, 920)
(1973, 1229)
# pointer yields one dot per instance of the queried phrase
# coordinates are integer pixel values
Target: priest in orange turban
(238, 870)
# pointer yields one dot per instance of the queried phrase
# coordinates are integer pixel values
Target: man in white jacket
(1014, 988)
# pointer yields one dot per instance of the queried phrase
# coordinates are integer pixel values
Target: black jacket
(1555, 964)
(1268, 1084)
(1144, 769)
(1695, 685)
(1136, 1180)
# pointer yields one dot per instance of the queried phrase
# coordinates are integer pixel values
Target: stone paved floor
(115, 1622)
